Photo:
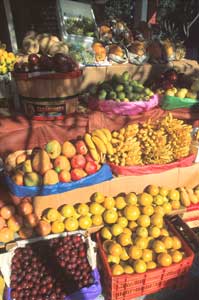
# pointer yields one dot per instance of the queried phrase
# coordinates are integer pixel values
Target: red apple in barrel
(46, 63)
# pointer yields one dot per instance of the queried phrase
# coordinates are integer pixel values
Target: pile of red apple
(55, 163)
(59, 63)
(50, 269)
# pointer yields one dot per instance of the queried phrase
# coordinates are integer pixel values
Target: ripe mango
(41, 162)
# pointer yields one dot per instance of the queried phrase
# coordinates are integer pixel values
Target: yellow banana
(89, 142)
(100, 134)
(99, 144)
(107, 133)
(95, 154)
(109, 148)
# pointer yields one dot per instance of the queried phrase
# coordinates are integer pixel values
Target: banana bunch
(127, 146)
(178, 135)
(155, 149)
(99, 144)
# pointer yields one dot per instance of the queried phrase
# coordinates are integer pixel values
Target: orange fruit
(164, 232)
(141, 242)
(154, 231)
(83, 209)
(97, 220)
(116, 229)
(176, 256)
(158, 246)
(164, 259)
(151, 265)
(85, 222)
(140, 266)
(43, 228)
(145, 199)
(163, 191)
(106, 233)
(131, 198)
(142, 232)
(96, 208)
(167, 207)
(159, 210)
(71, 224)
(147, 255)
(52, 214)
(124, 255)
(110, 216)
(176, 243)
(6, 235)
(131, 212)
(7, 211)
(132, 225)
(175, 204)
(120, 202)
(174, 195)
(117, 269)
(57, 227)
(122, 221)
(168, 242)
(15, 223)
(147, 210)
(134, 252)
(143, 221)
(98, 197)
(128, 269)
(153, 190)
(109, 203)
(127, 231)
(67, 211)
(157, 220)
(124, 239)
(115, 249)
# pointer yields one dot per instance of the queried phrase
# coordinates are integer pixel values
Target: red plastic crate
(126, 287)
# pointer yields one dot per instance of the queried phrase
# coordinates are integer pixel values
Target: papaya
(50, 177)
(41, 162)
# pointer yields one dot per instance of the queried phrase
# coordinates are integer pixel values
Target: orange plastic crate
(126, 287)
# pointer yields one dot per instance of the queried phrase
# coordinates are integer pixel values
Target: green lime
(119, 88)
(126, 76)
(121, 95)
(112, 95)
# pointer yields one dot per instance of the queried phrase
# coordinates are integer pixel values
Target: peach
(77, 174)
(15, 223)
(68, 149)
(18, 178)
(64, 176)
(7, 211)
(78, 161)
(62, 163)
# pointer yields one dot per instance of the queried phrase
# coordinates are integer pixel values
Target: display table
(20, 133)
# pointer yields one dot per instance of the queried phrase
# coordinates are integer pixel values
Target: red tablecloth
(19, 133)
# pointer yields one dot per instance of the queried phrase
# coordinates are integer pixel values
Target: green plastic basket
(172, 102)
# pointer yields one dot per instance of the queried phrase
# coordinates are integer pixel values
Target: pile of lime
(122, 88)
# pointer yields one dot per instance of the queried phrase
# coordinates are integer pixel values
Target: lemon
(120, 202)
(109, 203)
(124, 239)
(131, 212)
(52, 215)
(106, 233)
(71, 224)
(97, 220)
(131, 198)
(67, 211)
(124, 255)
(117, 269)
(128, 269)
(147, 210)
(98, 197)
(96, 208)
(116, 229)
(83, 209)
(110, 216)
(122, 221)
(142, 232)
(143, 221)
(85, 222)
(140, 266)
(145, 199)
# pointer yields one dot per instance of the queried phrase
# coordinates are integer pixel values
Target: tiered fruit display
(102, 209)
(50, 269)
(60, 62)
(152, 142)
(56, 163)
(7, 60)
(122, 88)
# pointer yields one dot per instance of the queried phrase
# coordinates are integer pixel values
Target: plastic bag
(151, 169)
(172, 102)
(124, 108)
(24, 191)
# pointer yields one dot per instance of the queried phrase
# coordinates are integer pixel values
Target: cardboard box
(177, 177)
